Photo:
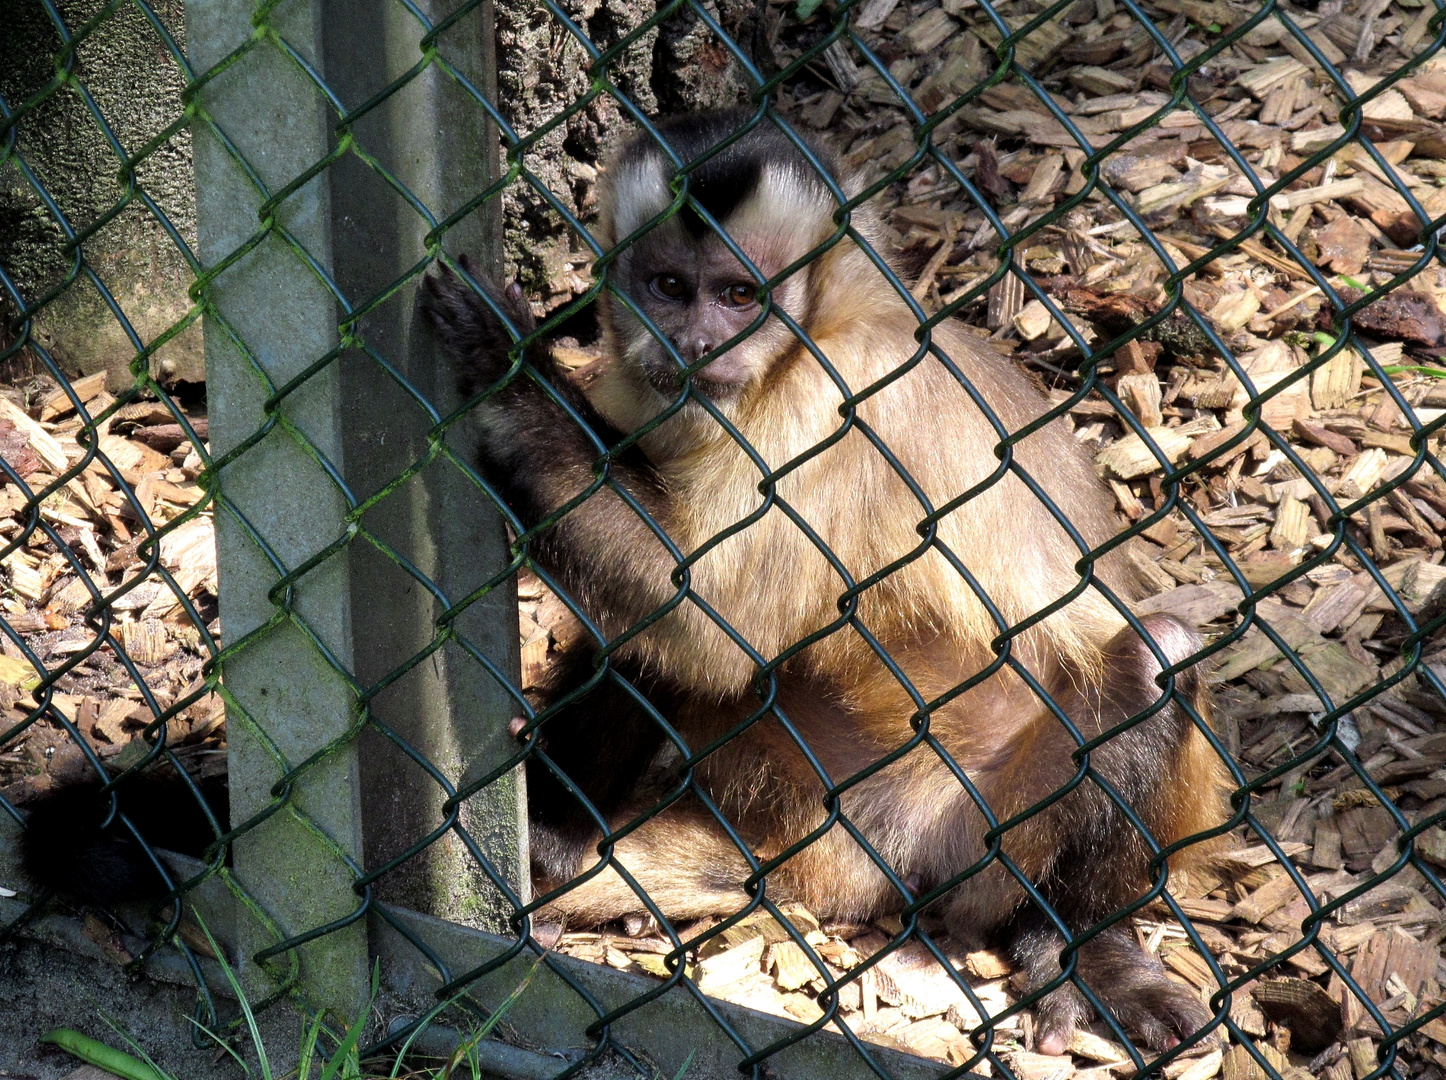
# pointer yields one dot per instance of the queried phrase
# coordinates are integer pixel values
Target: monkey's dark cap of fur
(730, 176)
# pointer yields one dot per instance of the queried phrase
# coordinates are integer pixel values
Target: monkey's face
(702, 300)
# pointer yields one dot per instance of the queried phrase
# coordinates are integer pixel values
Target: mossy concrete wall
(136, 87)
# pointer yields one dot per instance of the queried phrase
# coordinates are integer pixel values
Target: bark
(677, 66)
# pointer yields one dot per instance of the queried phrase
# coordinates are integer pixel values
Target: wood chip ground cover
(45, 600)
(1267, 94)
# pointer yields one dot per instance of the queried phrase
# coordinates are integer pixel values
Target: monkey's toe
(1054, 1044)
(1156, 1011)
(1057, 1017)
(1131, 985)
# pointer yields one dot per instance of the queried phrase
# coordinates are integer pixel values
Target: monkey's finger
(447, 296)
(521, 311)
(1057, 1017)
(436, 280)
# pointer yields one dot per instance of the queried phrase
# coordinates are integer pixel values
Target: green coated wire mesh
(1112, 188)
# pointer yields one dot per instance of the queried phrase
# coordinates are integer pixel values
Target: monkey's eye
(669, 287)
(740, 295)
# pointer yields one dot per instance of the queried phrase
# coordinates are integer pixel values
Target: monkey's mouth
(721, 380)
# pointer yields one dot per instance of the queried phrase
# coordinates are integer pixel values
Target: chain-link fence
(1206, 230)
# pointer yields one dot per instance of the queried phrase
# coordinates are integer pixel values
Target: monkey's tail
(65, 849)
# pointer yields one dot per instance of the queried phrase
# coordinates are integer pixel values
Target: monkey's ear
(467, 325)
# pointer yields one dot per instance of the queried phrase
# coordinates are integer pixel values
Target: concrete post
(368, 799)
(292, 701)
(435, 139)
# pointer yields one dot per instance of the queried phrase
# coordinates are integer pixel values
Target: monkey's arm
(538, 458)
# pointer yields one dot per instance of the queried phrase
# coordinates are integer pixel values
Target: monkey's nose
(691, 349)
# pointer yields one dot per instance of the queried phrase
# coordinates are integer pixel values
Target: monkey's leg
(1167, 773)
(682, 859)
(603, 743)
(764, 787)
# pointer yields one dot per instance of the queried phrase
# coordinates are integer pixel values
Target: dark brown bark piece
(166, 437)
(15, 449)
(1402, 315)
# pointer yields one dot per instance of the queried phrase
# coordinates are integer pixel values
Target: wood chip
(1364, 472)
(727, 967)
(1258, 81)
(1032, 320)
(791, 968)
(1129, 457)
(1240, 1065)
(145, 641)
(45, 445)
(1311, 1014)
(1344, 244)
(1336, 189)
(928, 32)
(987, 964)
(1141, 395)
(1031, 1066)
(1292, 526)
(86, 389)
(1088, 1045)
(1394, 953)
(1203, 1067)
(1362, 1057)
(1269, 897)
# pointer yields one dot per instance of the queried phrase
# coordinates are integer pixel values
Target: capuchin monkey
(866, 531)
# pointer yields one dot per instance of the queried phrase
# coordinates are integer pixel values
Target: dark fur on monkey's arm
(538, 458)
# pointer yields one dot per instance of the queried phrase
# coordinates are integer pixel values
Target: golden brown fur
(800, 457)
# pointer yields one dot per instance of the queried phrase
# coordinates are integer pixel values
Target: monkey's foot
(681, 859)
(1128, 982)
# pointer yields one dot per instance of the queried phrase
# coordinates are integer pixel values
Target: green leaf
(308, 1047)
(1414, 369)
(468, 1045)
(137, 1047)
(116, 1062)
(806, 8)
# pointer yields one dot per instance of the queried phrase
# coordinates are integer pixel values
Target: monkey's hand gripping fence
(370, 659)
